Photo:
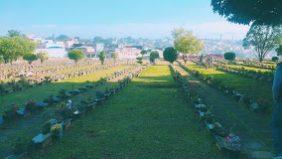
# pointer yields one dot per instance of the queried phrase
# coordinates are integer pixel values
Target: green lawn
(255, 88)
(148, 119)
(40, 92)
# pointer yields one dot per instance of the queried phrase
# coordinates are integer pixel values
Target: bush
(274, 59)
(76, 55)
(170, 54)
(153, 56)
(30, 58)
(230, 56)
(279, 50)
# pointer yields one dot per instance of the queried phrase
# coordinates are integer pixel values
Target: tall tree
(260, 12)
(75, 55)
(102, 56)
(11, 48)
(114, 56)
(186, 43)
(263, 39)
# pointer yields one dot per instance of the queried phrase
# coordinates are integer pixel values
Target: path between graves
(21, 131)
(148, 119)
(254, 129)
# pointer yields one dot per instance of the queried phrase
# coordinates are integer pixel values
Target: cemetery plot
(75, 108)
(253, 129)
(41, 93)
(149, 119)
(244, 90)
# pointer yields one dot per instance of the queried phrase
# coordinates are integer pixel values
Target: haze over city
(111, 18)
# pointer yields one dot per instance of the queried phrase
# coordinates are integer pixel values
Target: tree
(263, 39)
(62, 37)
(75, 55)
(14, 33)
(186, 43)
(143, 52)
(260, 12)
(230, 56)
(43, 56)
(30, 58)
(279, 50)
(11, 48)
(102, 56)
(114, 56)
(153, 56)
(274, 59)
(170, 54)
(139, 60)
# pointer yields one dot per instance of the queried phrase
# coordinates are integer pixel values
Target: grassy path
(148, 119)
(253, 128)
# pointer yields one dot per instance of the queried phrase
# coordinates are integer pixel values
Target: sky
(116, 18)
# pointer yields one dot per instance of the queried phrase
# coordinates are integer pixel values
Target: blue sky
(139, 18)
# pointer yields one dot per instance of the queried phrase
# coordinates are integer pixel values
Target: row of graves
(253, 104)
(225, 140)
(256, 64)
(54, 129)
(31, 107)
(27, 80)
(259, 75)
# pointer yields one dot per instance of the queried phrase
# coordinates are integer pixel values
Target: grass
(149, 119)
(255, 88)
(40, 92)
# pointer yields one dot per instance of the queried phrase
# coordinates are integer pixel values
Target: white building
(54, 49)
(128, 52)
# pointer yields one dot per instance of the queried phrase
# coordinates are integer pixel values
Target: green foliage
(274, 59)
(143, 52)
(102, 56)
(43, 56)
(11, 48)
(139, 60)
(170, 54)
(14, 33)
(263, 39)
(62, 37)
(279, 50)
(114, 56)
(185, 42)
(76, 55)
(30, 58)
(262, 12)
(230, 56)
(153, 56)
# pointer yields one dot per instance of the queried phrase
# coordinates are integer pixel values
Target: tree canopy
(153, 56)
(170, 54)
(13, 47)
(263, 39)
(30, 58)
(230, 56)
(259, 12)
(185, 42)
(75, 55)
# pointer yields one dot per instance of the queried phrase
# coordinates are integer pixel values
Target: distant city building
(54, 49)
(99, 47)
(128, 52)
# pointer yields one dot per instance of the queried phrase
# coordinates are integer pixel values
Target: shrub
(274, 59)
(170, 54)
(230, 56)
(76, 55)
(30, 58)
